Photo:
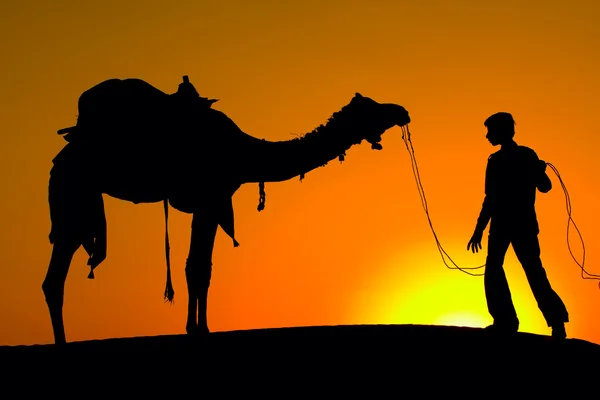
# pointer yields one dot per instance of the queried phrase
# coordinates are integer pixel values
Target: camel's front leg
(198, 271)
(54, 285)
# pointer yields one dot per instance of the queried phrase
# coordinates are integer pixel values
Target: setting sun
(463, 318)
(414, 289)
(436, 296)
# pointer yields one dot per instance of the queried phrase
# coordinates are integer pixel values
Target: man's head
(500, 128)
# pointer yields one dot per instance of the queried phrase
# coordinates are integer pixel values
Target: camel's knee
(198, 275)
(53, 285)
(54, 291)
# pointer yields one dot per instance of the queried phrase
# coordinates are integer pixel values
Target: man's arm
(486, 208)
(538, 172)
(542, 180)
(484, 215)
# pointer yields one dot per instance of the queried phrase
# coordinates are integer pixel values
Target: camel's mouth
(405, 123)
(403, 118)
(396, 116)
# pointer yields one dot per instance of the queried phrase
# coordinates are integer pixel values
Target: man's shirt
(511, 180)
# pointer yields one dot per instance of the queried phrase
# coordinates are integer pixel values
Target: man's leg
(527, 249)
(497, 292)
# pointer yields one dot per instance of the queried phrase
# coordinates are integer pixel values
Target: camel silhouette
(136, 143)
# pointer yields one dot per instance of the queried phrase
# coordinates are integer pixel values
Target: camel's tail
(169, 291)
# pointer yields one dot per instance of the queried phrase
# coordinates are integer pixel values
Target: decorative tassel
(89, 248)
(261, 197)
(169, 291)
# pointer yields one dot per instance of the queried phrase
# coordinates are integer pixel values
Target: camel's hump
(116, 94)
(130, 102)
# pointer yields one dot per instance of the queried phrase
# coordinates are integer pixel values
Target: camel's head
(371, 119)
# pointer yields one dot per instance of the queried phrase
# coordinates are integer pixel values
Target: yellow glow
(462, 318)
(417, 288)
(431, 301)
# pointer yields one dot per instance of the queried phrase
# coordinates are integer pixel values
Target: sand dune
(331, 361)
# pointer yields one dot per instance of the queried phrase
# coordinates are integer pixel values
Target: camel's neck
(279, 161)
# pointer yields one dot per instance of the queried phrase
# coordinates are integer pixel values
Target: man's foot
(559, 332)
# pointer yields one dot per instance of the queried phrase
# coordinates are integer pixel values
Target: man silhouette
(512, 176)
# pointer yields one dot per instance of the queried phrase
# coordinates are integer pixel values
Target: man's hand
(475, 242)
(542, 165)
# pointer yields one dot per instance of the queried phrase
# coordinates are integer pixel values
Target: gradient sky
(351, 243)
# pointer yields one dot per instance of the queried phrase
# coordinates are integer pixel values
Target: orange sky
(351, 243)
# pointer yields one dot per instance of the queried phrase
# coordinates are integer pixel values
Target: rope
(584, 274)
(408, 142)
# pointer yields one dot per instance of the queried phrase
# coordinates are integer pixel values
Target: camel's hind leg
(198, 271)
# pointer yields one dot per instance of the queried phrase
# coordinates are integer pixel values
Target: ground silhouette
(139, 144)
(395, 360)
